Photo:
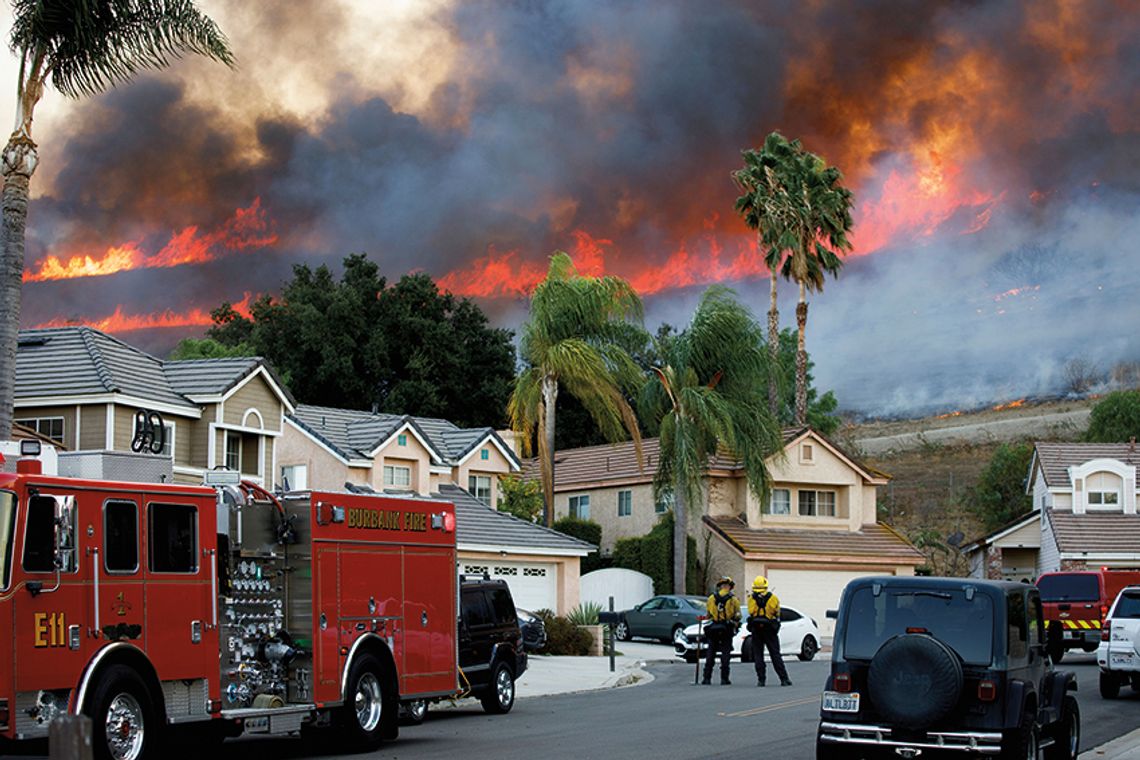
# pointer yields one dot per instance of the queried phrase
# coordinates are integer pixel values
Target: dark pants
(763, 637)
(718, 642)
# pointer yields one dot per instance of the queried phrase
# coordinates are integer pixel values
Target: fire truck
(223, 609)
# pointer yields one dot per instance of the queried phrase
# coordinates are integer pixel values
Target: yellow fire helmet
(760, 584)
(725, 579)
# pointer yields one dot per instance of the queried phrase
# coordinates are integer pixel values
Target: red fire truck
(224, 609)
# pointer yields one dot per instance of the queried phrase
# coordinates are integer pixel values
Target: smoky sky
(625, 120)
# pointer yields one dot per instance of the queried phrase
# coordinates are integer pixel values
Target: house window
(807, 453)
(1104, 498)
(1103, 490)
(663, 504)
(625, 503)
(402, 439)
(480, 487)
(396, 476)
(167, 439)
(780, 502)
(817, 503)
(580, 507)
(484, 455)
(233, 451)
(295, 477)
(49, 427)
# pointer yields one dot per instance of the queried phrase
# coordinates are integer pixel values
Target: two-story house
(817, 530)
(82, 389)
(1084, 515)
(324, 448)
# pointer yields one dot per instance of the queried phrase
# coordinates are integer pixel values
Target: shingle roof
(1055, 459)
(97, 363)
(476, 524)
(79, 361)
(1096, 533)
(872, 543)
(354, 433)
(617, 462)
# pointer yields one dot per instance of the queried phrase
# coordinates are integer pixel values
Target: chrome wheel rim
(504, 687)
(417, 709)
(679, 636)
(622, 631)
(368, 702)
(124, 728)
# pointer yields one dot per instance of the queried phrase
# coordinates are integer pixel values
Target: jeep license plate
(1123, 658)
(834, 701)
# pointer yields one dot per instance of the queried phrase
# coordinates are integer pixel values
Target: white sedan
(799, 635)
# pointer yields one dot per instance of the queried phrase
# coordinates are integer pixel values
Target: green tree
(81, 48)
(1115, 418)
(652, 554)
(999, 495)
(706, 398)
(802, 208)
(358, 343)
(521, 498)
(584, 530)
(821, 409)
(208, 348)
(572, 340)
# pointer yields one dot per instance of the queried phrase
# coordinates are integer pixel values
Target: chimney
(1132, 445)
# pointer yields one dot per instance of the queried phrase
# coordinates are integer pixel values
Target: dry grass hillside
(934, 462)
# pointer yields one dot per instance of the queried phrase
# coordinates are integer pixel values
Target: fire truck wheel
(371, 710)
(501, 698)
(124, 724)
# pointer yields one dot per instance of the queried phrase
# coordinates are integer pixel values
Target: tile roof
(353, 433)
(1055, 459)
(614, 462)
(872, 543)
(476, 524)
(98, 364)
(1096, 532)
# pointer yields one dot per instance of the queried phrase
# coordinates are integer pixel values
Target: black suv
(927, 665)
(491, 653)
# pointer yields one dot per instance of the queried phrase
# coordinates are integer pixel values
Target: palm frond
(525, 406)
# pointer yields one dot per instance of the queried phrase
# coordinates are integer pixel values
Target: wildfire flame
(248, 229)
(948, 415)
(1011, 405)
(120, 322)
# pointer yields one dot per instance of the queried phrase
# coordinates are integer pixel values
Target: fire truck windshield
(7, 532)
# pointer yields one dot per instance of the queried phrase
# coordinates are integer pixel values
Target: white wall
(627, 587)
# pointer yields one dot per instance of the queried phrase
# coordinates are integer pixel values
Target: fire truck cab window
(173, 538)
(7, 533)
(39, 539)
(121, 537)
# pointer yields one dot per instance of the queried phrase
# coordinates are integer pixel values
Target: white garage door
(534, 585)
(813, 591)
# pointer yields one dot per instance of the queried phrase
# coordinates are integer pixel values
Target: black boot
(706, 681)
(760, 683)
(724, 681)
(785, 682)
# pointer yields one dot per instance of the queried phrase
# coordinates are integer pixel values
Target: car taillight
(842, 682)
(1106, 631)
(987, 691)
(1103, 613)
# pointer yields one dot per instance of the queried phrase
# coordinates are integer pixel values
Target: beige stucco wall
(255, 394)
(325, 471)
(494, 466)
(413, 455)
(604, 511)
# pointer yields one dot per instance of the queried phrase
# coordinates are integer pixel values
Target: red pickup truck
(1076, 604)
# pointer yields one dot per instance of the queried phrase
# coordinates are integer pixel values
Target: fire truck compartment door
(429, 621)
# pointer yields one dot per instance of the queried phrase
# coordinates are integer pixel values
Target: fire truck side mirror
(64, 533)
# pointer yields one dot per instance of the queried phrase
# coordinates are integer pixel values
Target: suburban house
(1084, 515)
(817, 530)
(324, 448)
(83, 389)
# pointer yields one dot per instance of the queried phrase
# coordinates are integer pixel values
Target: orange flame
(248, 228)
(121, 322)
(1011, 405)
(948, 415)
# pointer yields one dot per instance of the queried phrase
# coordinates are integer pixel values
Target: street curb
(621, 680)
(1125, 747)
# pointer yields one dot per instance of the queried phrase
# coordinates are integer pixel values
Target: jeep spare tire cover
(915, 680)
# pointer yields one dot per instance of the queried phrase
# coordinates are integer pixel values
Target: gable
(254, 404)
(413, 448)
(808, 460)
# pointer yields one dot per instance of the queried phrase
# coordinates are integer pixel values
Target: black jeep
(924, 666)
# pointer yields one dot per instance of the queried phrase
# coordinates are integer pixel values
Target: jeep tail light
(842, 682)
(987, 691)
(1106, 631)
(1103, 612)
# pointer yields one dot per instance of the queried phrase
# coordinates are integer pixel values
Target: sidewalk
(565, 675)
(1126, 747)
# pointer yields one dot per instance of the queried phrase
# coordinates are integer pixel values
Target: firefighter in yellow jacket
(764, 625)
(724, 620)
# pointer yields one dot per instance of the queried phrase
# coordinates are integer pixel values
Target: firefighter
(764, 625)
(724, 620)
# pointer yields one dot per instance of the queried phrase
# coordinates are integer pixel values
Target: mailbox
(609, 618)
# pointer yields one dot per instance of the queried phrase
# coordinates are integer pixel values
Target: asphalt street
(668, 718)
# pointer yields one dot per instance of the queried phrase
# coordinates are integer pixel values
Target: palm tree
(82, 47)
(708, 399)
(571, 340)
(817, 217)
(760, 186)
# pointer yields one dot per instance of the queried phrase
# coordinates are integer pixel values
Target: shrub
(652, 554)
(563, 637)
(584, 530)
(999, 495)
(585, 613)
(521, 498)
(1116, 418)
